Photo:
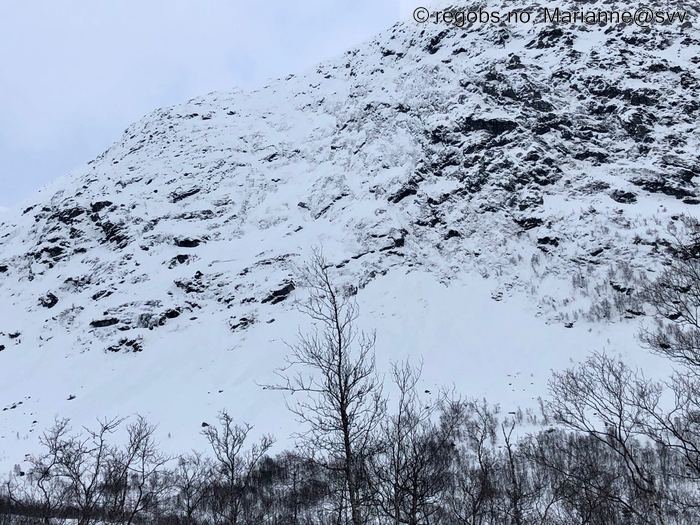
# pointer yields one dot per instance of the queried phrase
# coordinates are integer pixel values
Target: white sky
(75, 74)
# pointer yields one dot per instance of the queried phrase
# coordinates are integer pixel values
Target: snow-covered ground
(467, 340)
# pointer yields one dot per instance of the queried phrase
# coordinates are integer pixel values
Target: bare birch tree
(332, 376)
(411, 470)
(234, 467)
(191, 483)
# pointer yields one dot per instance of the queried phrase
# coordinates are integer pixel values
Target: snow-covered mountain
(490, 192)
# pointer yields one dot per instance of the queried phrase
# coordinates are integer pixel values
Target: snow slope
(489, 191)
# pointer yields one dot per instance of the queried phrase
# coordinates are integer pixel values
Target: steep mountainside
(503, 180)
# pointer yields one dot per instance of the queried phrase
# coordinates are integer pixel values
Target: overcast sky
(75, 74)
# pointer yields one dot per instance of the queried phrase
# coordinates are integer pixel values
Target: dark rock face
(187, 242)
(179, 259)
(101, 294)
(664, 185)
(48, 301)
(638, 123)
(406, 191)
(280, 294)
(241, 323)
(172, 313)
(68, 215)
(624, 197)
(98, 206)
(493, 126)
(434, 44)
(102, 323)
(195, 285)
(127, 345)
(620, 288)
(548, 241)
(599, 156)
(528, 223)
(178, 196)
(547, 38)
(54, 252)
(114, 233)
(3, 268)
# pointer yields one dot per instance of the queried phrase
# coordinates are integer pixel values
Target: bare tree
(473, 494)
(234, 467)
(521, 493)
(147, 474)
(191, 483)
(411, 470)
(333, 368)
(584, 481)
(83, 464)
(135, 475)
(43, 485)
(675, 298)
(599, 398)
